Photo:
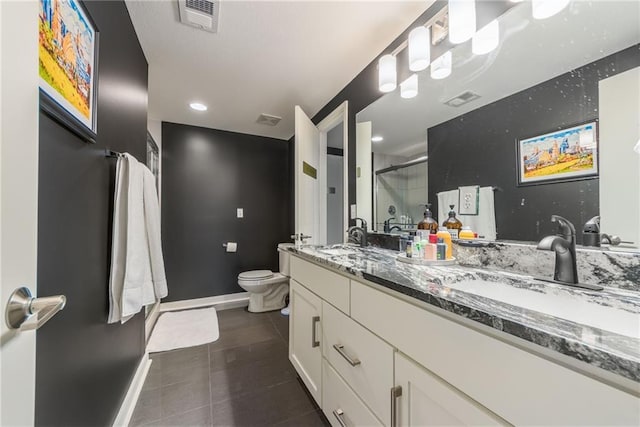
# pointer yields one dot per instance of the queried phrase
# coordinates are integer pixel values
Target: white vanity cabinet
(384, 358)
(305, 351)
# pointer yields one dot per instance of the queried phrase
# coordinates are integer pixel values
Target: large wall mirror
(546, 123)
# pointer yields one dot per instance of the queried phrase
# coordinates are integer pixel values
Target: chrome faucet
(564, 245)
(362, 231)
(387, 224)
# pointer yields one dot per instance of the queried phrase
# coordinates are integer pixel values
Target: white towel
(152, 219)
(138, 286)
(446, 198)
(119, 240)
(131, 284)
(484, 223)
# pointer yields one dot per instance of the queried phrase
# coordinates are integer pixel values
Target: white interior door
(309, 180)
(18, 200)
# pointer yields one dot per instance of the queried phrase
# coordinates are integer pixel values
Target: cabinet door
(427, 400)
(304, 337)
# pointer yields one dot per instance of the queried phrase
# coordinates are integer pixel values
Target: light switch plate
(468, 203)
(354, 213)
(240, 213)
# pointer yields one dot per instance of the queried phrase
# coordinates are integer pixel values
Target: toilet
(267, 290)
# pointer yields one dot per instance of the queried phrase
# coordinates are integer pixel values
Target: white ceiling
(267, 57)
(530, 52)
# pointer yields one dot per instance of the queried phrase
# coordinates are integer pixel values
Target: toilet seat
(255, 275)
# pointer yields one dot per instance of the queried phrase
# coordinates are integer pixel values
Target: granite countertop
(461, 290)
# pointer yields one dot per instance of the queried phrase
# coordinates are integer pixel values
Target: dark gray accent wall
(479, 148)
(206, 175)
(83, 365)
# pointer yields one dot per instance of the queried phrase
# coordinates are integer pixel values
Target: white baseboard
(220, 302)
(150, 321)
(131, 398)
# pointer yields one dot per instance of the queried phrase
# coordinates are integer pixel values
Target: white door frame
(337, 116)
(19, 112)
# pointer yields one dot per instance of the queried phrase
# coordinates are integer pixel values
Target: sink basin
(579, 308)
(338, 252)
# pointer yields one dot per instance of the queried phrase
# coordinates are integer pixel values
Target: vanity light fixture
(376, 138)
(441, 66)
(462, 20)
(409, 87)
(419, 49)
(486, 39)
(543, 9)
(387, 78)
(198, 106)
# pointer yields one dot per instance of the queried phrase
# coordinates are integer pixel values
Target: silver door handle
(314, 340)
(396, 392)
(339, 413)
(340, 349)
(22, 306)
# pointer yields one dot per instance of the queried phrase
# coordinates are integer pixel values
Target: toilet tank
(283, 254)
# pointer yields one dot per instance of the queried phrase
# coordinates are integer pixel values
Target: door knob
(22, 306)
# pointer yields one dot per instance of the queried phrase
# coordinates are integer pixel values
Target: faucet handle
(566, 227)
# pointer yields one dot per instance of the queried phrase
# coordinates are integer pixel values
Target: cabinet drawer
(362, 359)
(338, 400)
(328, 285)
(520, 387)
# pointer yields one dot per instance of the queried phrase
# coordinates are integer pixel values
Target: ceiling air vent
(462, 99)
(268, 119)
(202, 14)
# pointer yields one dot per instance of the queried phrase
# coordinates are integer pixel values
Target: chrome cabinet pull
(395, 393)
(314, 340)
(340, 349)
(22, 306)
(339, 413)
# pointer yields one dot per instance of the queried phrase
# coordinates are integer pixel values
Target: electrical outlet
(468, 200)
(353, 211)
(240, 212)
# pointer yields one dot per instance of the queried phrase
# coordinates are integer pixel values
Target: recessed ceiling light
(198, 106)
(377, 138)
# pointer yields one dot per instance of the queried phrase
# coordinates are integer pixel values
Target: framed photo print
(68, 53)
(562, 155)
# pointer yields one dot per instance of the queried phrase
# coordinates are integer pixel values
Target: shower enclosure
(400, 192)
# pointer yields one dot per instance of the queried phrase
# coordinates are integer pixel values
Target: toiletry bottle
(417, 250)
(444, 234)
(428, 223)
(441, 251)
(452, 223)
(423, 247)
(409, 250)
(430, 252)
(466, 233)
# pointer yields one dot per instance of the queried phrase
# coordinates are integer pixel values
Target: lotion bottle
(452, 223)
(446, 238)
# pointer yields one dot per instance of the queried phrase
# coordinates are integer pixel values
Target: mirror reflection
(544, 124)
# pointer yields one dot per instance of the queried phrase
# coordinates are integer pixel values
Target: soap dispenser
(428, 223)
(452, 223)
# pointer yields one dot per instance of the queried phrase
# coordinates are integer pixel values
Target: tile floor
(243, 379)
